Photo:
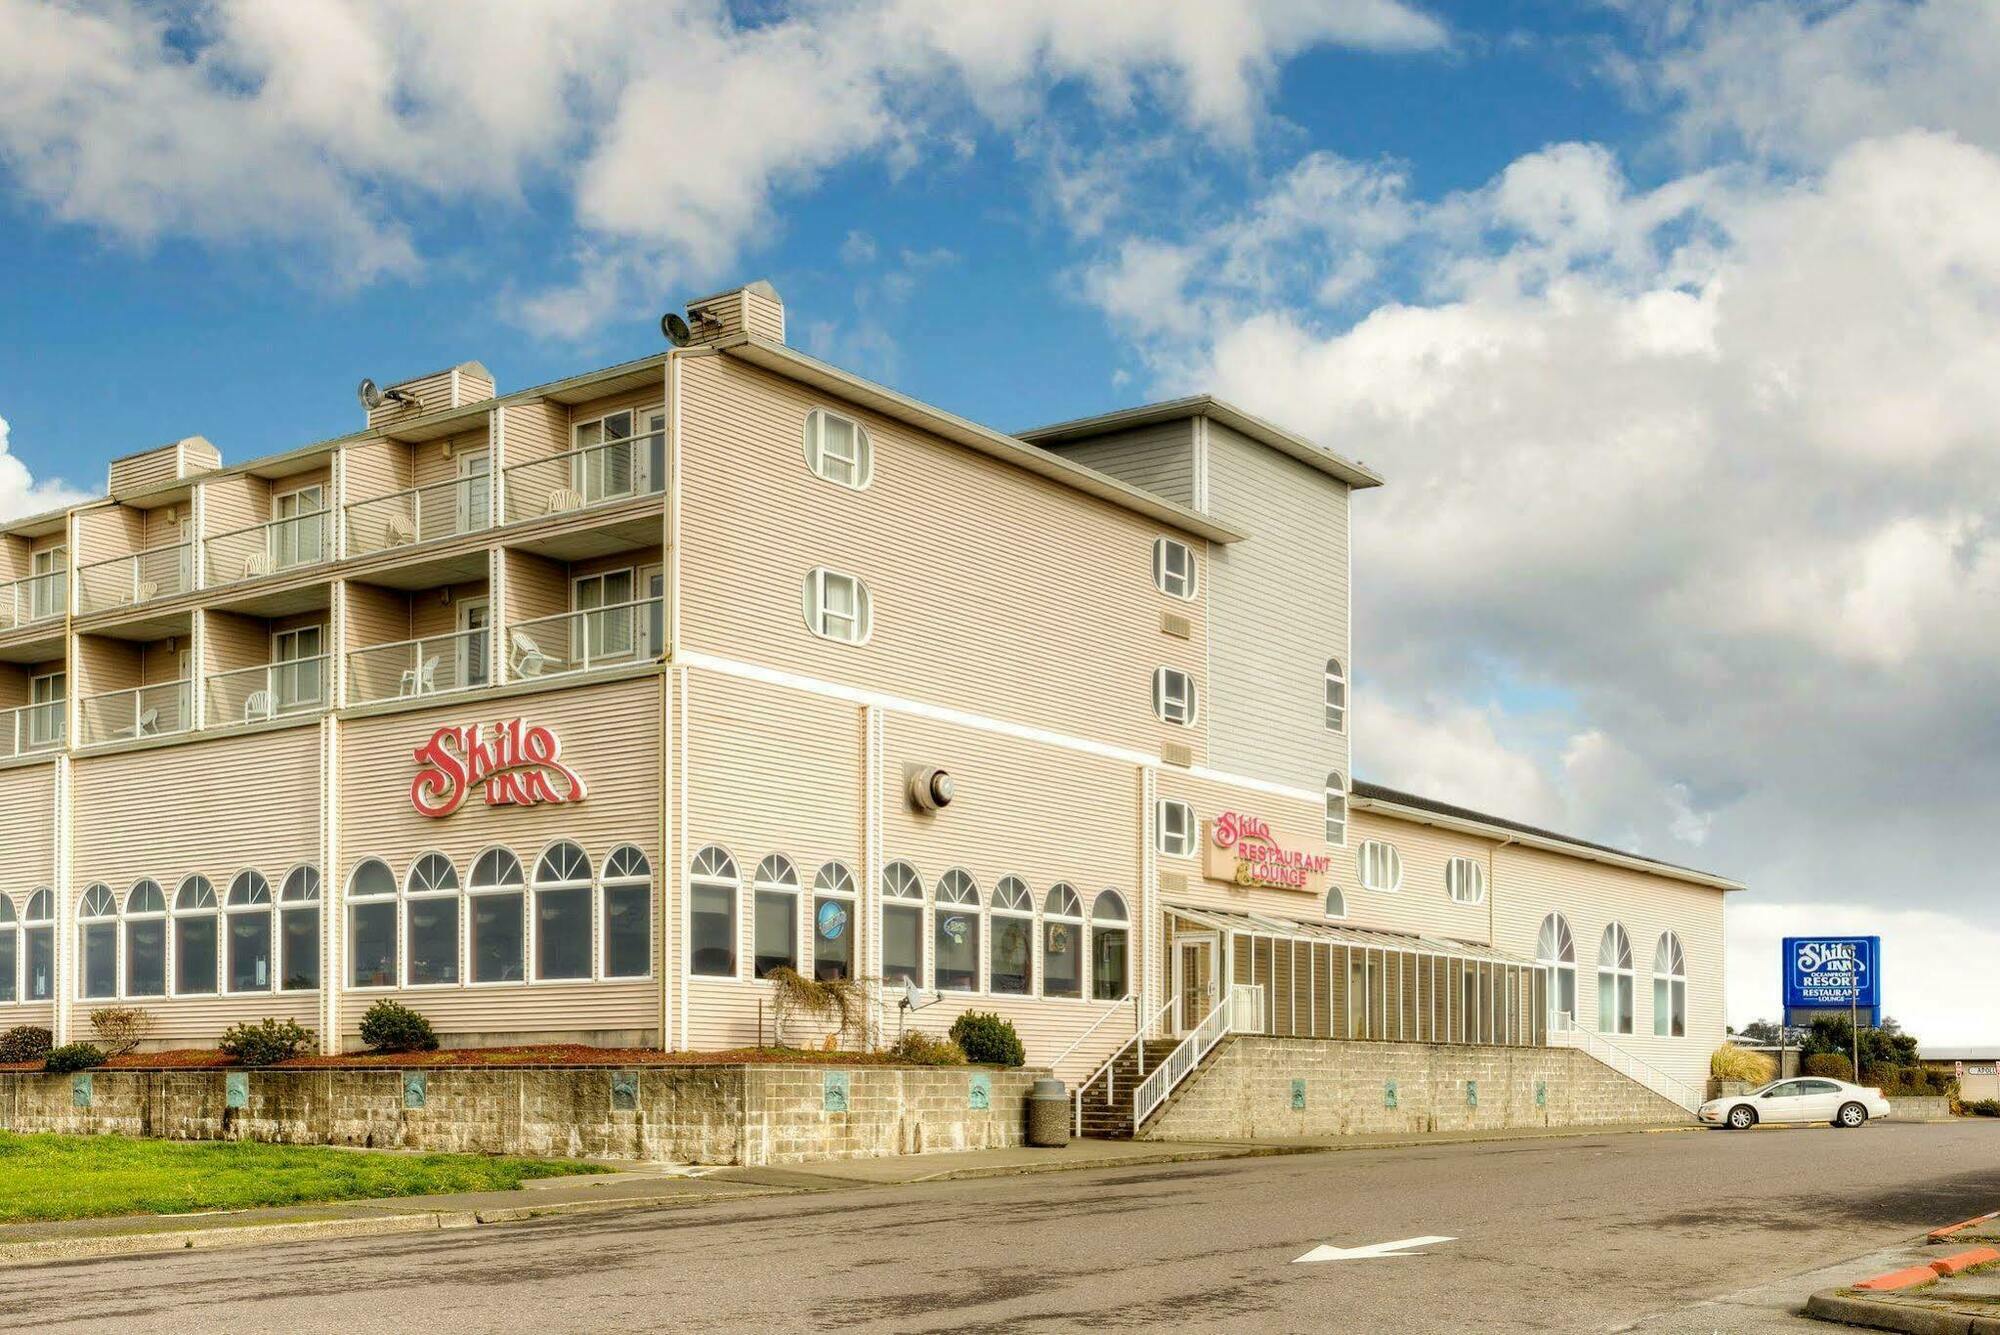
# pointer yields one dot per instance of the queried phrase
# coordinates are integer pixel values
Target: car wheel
(1742, 1118)
(1850, 1114)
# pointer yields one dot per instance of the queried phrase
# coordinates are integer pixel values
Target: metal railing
(127, 581)
(267, 548)
(31, 729)
(578, 479)
(406, 669)
(1106, 1071)
(1181, 1062)
(36, 598)
(419, 514)
(585, 640)
(268, 691)
(144, 711)
(1565, 1032)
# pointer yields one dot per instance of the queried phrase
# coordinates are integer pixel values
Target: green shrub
(1981, 1108)
(25, 1043)
(267, 1042)
(987, 1039)
(920, 1049)
(391, 1027)
(1734, 1063)
(73, 1057)
(1828, 1066)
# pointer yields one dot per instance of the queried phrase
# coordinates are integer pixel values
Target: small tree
(836, 1001)
(120, 1029)
(988, 1039)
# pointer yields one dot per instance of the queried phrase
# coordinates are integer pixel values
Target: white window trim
(475, 890)
(1336, 793)
(1395, 860)
(1082, 945)
(1161, 546)
(531, 966)
(733, 884)
(795, 889)
(1122, 923)
(975, 908)
(270, 909)
(174, 914)
(1192, 697)
(1332, 890)
(403, 897)
(1456, 873)
(813, 597)
(605, 882)
(862, 462)
(1160, 844)
(1336, 715)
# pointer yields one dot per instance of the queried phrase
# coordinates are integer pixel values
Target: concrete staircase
(1111, 1118)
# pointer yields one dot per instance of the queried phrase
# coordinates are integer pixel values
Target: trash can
(1048, 1114)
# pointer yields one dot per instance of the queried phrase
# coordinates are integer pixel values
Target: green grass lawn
(80, 1177)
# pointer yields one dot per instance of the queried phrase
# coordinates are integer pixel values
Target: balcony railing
(266, 549)
(420, 514)
(585, 640)
(271, 690)
(148, 711)
(578, 479)
(126, 581)
(31, 729)
(435, 665)
(36, 598)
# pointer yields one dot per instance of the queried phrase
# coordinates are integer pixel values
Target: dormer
(453, 387)
(149, 470)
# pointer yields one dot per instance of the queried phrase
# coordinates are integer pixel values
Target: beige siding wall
(139, 472)
(14, 563)
(534, 430)
(376, 468)
(233, 502)
(107, 531)
(375, 615)
(161, 525)
(105, 665)
(1159, 458)
(231, 641)
(14, 679)
(437, 461)
(535, 586)
(160, 661)
(431, 615)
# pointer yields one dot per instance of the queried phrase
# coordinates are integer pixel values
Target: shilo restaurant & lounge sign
(518, 764)
(1241, 850)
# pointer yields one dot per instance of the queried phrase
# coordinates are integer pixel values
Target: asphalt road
(1590, 1233)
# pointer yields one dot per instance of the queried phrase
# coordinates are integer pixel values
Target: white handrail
(1064, 1055)
(1618, 1059)
(1104, 1071)
(1153, 1090)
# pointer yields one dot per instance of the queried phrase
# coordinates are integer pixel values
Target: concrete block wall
(1248, 1091)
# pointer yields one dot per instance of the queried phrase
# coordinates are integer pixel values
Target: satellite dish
(916, 998)
(676, 329)
(371, 397)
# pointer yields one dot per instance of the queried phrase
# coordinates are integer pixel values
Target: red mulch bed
(546, 1054)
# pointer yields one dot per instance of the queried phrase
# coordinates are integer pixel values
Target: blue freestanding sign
(1834, 973)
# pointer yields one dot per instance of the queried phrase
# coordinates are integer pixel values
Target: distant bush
(120, 1029)
(1910, 1082)
(73, 1057)
(987, 1039)
(1828, 1066)
(920, 1049)
(391, 1027)
(1733, 1063)
(1981, 1108)
(25, 1043)
(267, 1042)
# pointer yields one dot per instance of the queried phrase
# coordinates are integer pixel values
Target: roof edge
(1353, 473)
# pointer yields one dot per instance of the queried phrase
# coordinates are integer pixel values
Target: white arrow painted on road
(1374, 1249)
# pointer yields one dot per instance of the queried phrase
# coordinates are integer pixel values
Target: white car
(1801, 1099)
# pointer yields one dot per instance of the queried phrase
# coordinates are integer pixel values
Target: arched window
(145, 930)
(1062, 942)
(1669, 988)
(1174, 696)
(97, 942)
(1009, 969)
(1465, 881)
(1173, 568)
(1381, 866)
(1174, 828)
(562, 912)
(298, 930)
(1110, 948)
(1336, 903)
(1336, 809)
(430, 922)
(1336, 696)
(38, 941)
(249, 919)
(774, 906)
(955, 932)
(838, 450)
(1614, 981)
(902, 925)
(197, 953)
(497, 906)
(628, 914)
(837, 606)
(371, 925)
(713, 884)
(10, 951)
(833, 922)
(1556, 948)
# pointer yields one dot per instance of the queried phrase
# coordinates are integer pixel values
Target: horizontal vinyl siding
(105, 532)
(232, 641)
(431, 615)
(140, 472)
(234, 502)
(1157, 458)
(534, 430)
(535, 586)
(437, 461)
(105, 665)
(185, 1022)
(374, 468)
(376, 615)
(27, 831)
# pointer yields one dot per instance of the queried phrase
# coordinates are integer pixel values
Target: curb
(1832, 1306)
(1945, 1234)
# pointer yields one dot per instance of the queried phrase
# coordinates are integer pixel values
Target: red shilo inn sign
(1241, 850)
(520, 765)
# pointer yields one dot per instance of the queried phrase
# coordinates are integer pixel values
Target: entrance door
(1194, 979)
(475, 485)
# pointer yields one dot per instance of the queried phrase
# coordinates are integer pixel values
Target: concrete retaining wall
(1277, 1087)
(1903, 1109)
(686, 1114)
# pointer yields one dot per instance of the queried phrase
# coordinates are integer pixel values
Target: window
(837, 606)
(1173, 568)
(607, 627)
(97, 942)
(10, 955)
(1010, 963)
(1465, 881)
(1336, 903)
(46, 717)
(1336, 696)
(833, 922)
(628, 914)
(249, 919)
(497, 905)
(146, 940)
(1110, 948)
(1555, 948)
(1173, 696)
(774, 924)
(955, 932)
(430, 922)
(48, 591)
(38, 941)
(1669, 988)
(837, 449)
(371, 925)
(1614, 981)
(196, 919)
(562, 913)
(298, 533)
(1174, 829)
(298, 931)
(1381, 866)
(297, 657)
(1336, 809)
(902, 925)
(611, 461)
(1062, 942)
(712, 887)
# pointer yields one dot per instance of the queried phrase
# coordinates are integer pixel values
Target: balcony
(266, 549)
(269, 691)
(586, 640)
(127, 581)
(408, 669)
(32, 729)
(419, 514)
(616, 470)
(146, 711)
(36, 598)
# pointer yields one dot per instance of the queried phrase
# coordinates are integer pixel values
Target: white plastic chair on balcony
(147, 724)
(254, 566)
(422, 680)
(563, 499)
(258, 706)
(530, 659)
(401, 532)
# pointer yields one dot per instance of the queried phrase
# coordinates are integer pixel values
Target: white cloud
(20, 494)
